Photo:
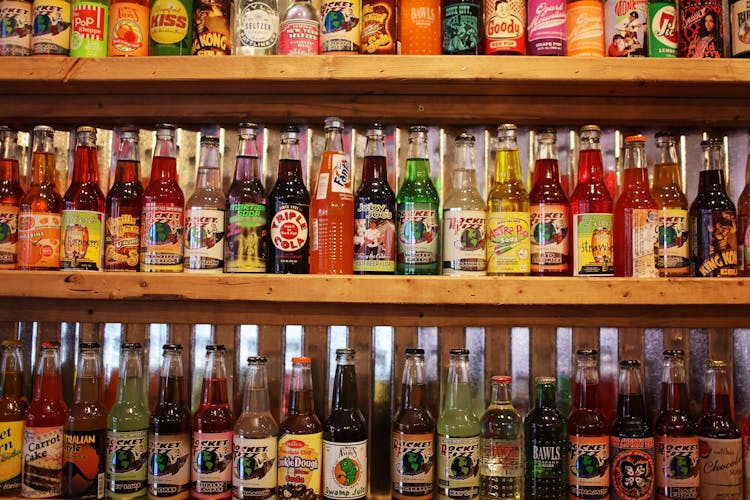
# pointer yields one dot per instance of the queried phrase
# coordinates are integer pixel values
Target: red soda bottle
(10, 196)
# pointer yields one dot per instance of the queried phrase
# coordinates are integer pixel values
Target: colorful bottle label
(505, 27)
(339, 20)
(500, 458)
(701, 31)
(340, 178)
(672, 248)
(418, 233)
(586, 28)
(547, 29)
(550, 232)
(632, 467)
(38, 241)
(662, 30)
(258, 26)
(84, 455)
(51, 28)
(588, 466)
(345, 469)
(127, 463)
(128, 34)
(458, 466)
(211, 466)
(82, 235)
(289, 232)
(461, 27)
(508, 243)
(169, 465)
(463, 242)
(419, 27)
(716, 244)
(746, 454)
(299, 37)
(721, 468)
(592, 245)
(412, 465)
(168, 22)
(90, 27)
(122, 239)
(42, 462)
(211, 28)
(204, 240)
(374, 236)
(739, 16)
(627, 24)
(15, 34)
(11, 444)
(547, 460)
(643, 235)
(162, 233)
(255, 472)
(677, 471)
(378, 34)
(8, 234)
(300, 457)
(245, 246)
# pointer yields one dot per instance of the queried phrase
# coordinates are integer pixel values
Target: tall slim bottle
(13, 408)
(169, 432)
(458, 434)
(662, 28)
(585, 26)
(508, 242)
(128, 28)
(418, 202)
(51, 27)
(462, 26)
(246, 241)
(671, 247)
(713, 219)
(299, 31)
(171, 28)
(204, 214)
(464, 217)
(11, 194)
(676, 458)
(254, 474)
(255, 27)
(90, 28)
(413, 437)
(40, 212)
(345, 436)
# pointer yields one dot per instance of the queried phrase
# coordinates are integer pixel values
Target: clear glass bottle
(255, 27)
(299, 31)
(11, 194)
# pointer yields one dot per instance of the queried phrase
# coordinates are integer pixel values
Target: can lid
(411, 351)
(591, 128)
(215, 348)
(257, 360)
(130, 345)
(417, 129)
(49, 344)
(459, 352)
(501, 379)
(635, 138)
(546, 381)
(674, 353)
(85, 128)
(630, 362)
(89, 345)
(172, 347)
(302, 359)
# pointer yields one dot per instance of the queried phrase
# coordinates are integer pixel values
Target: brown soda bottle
(212, 432)
(746, 452)
(676, 455)
(169, 432)
(122, 230)
(413, 437)
(10, 196)
(42, 473)
(300, 438)
(13, 407)
(719, 439)
(743, 221)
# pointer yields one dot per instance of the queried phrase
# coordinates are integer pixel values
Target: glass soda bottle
(128, 28)
(591, 211)
(345, 435)
(545, 449)
(375, 211)
(743, 219)
(378, 34)
(254, 473)
(340, 26)
(13, 407)
(671, 247)
(300, 438)
(419, 27)
(462, 26)
(255, 27)
(418, 202)
(90, 27)
(16, 19)
(204, 214)
(719, 438)
(212, 30)
(585, 23)
(332, 208)
(122, 229)
(549, 212)
(676, 458)
(39, 216)
(11, 194)
(458, 434)
(464, 217)
(546, 27)
(662, 29)
(169, 432)
(84, 434)
(504, 27)
(163, 216)
(51, 27)
(746, 451)
(713, 226)
(289, 211)
(246, 245)
(631, 439)
(171, 29)
(42, 474)
(299, 31)
(701, 29)
(212, 432)
(635, 216)
(501, 445)
(508, 242)
(413, 437)
(127, 429)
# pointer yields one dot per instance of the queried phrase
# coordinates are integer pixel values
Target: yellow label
(586, 28)
(592, 245)
(169, 21)
(11, 446)
(300, 457)
(508, 243)
(128, 34)
(83, 247)
(162, 236)
(340, 25)
(51, 27)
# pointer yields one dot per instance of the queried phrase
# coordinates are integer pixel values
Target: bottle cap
(172, 347)
(506, 126)
(626, 363)
(49, 344)
(591, 128)
(546, 130)
(165, 126)
(587, 352)
(416, 129)
(85, 128)
(546, 381)
(89, 345)
(464, 137)
(130, 345)
(246, 125)
(345, 351)
(333, 122)
(215, 348)
(674, 353)
(501, 379)
(459, 352)
(302, 359)
(7, 129)
(257, 360)
(12, 344)
(209, 139)
(44, 128)
(129, 129)
(635, 138)
(289, 129)
(716, 363)
(666, 133)
(414, 352)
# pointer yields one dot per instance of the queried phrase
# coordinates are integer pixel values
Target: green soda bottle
(90, 26)
(170, 28)
(127, 430)
(662, 28)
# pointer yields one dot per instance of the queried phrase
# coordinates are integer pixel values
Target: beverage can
(88, 37)
(51, 27)
(340, 25)
(15, 37)
(504, 27)
(626, 27)
(662, 29)
(547, 28)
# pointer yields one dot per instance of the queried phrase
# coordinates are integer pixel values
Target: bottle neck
(716, 393)
(214, 387)
(413, 384)
(508, 161)
(345, 388)
(11, 370)
(634, 161)
(418, 147)
(171, 388)
(586, 389)
(674, 389)
(164, 166)
(85, 166)
(291, 169)
(130, 383)
(374, 165)
(545, 396)
(248, 160)
(301, 395)
(256, 399)
(88, 378)
(630, 402)
(501, 393)
(334, 140)
(458, 393)
(590, 166)
(48, 383)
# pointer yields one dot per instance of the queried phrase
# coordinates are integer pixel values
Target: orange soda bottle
(419, 25)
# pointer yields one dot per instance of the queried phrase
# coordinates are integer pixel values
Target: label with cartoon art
(169, 465)
(592, 245)
(508, 243)
(672, 248)
(127, 463)
(51, 27)
(677, 470)
(412, 466)
(374, 236)
(15, 35)
(463, 242)
(378, 34)
(418, 233)
(632, 467)
(550, 233)
(122, 239)
(504, 27)
(8, 236)
(461, 27)
(204, 240)
(82, 236)
(211, 29)
(211, 465)
(588, 466)
(340, 26)
(38, 241)
(162, 233)
(345, 469)
(300, 463)
(716, 243)
(458, 466)
(255, 469)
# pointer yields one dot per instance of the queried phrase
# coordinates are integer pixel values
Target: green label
(82, 240)
(246, 238)
(90, 26)
(662, 30)
(592, 245)
(127, 459)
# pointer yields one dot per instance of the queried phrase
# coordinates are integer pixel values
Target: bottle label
(458, 466)
(549, 237)
(8, 233)
(716, 244)
(627, 23)
(162, 228)
(378, 27)
(42, 462)
(720, 468)
(289, 231)
(254, 473)
(547, 27)
(547, 460)
(300, 458)
(588, 466)
(746, 454)
(51, 28)
(463, 242)
(632, 467)
(121, 242)
(592, 245)
(672, 249)
(211, 464)
(82, 232)
(340, 25)
(739, 15)
(169, 22)
(89, 35)
(246, 238)
(662, 32)
(374, 236)
(644, 231)
(418, 232)
(127, 461)
(677, 472)
(419, 27)
(586, 28)
(84, 453)
(345, 474)
(168, 465)
(39, 240)
(508, 243)
(11, 444)
(258, 26)
(461, 27)
(15, 37)
(128, 29)
(504, 27)
(204, 239)
(211, 29)
(299, 37)
(413, 466)
(743, 238)
(500, 458)
(698, 39)
(340, 178)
